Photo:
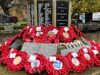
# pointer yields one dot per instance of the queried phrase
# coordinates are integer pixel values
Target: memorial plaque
(44, 12)
(45, 49)
(62, 13)
(48, 49)
(31, 48)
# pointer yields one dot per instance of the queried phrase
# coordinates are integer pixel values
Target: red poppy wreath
(26, 34)
(4, 47)
(86, 56)
(52, 32)
(77, 31)
(96, 44)
(16, 61)
(96, 55)
(39, 34)
(57, 65)
(73, 33)
(6, 44)
(76, 64)
(4, 58)
(35, 63)
(64, 35)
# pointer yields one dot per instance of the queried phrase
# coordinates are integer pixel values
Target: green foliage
(15, 27)
(18, 27)
(85, 6)
(1, 28)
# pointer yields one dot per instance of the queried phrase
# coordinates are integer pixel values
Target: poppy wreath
(76, 64)
(4, 58)
(26, 27)
(64, 35)
(52, 32)
(86, 56)
(39, 34)
(4, 47)
(96, 55)
(0, 47)
(21, 33)
(92, 42)
(26, 34)
(73, 33)
(40, 39)
(35, 63)
(96, 44)
(77, 31)
(6, 44)
(16, 61)
(57, 65)
(50, 27)
(6, 55)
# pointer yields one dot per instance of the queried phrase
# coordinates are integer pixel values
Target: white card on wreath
(66, 29)
(12, 55)
(85, 50)
(95, 52)
(52, 58)
(55, 31)
(32, 57)
(38, 28)
(74, 54)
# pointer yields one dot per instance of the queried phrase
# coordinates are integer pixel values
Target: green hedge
(1, 28)
(15, 27)
(18, 27)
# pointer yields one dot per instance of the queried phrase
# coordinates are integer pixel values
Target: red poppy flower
(60, 66)
(35, 63)
(76, 64)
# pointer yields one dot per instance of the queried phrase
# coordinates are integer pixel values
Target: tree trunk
(5, 10)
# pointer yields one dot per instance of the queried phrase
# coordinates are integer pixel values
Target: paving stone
(89, 71)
